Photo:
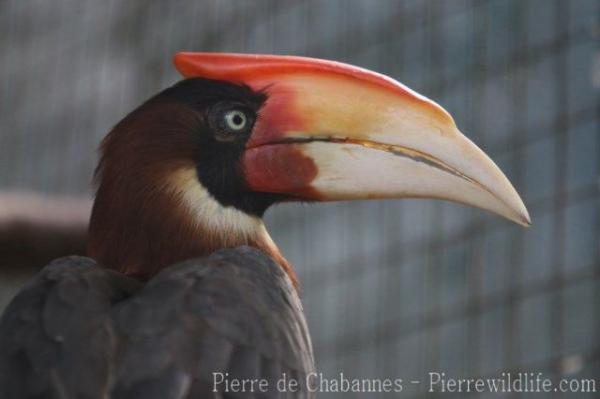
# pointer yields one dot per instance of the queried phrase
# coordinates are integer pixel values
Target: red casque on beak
(331, 131)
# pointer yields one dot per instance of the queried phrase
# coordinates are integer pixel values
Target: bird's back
(194, 331)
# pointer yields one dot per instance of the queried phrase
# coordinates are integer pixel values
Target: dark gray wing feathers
(81, 331)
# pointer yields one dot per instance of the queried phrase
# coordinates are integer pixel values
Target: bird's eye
(235, 120)
(230, 122)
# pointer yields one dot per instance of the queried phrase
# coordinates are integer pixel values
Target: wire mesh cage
(391, 288)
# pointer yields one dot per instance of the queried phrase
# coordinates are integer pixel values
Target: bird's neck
(139, 227)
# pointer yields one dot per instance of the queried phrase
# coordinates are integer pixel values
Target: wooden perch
(36, 228)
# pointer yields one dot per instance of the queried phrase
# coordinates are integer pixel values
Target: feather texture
(79, 330)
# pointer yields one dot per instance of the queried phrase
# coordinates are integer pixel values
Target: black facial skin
(219, 149)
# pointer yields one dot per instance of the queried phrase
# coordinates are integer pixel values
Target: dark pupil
(237, 120)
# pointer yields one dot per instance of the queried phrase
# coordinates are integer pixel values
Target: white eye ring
(236, 120)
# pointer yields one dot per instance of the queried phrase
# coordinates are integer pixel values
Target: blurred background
(391, 289)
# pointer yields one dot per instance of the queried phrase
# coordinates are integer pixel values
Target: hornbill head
(195, 168)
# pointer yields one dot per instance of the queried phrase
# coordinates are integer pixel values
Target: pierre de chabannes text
(523, 382)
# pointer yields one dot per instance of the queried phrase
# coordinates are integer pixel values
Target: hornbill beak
(330, 131)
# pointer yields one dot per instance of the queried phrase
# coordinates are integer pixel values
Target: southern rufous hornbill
(182, 279)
